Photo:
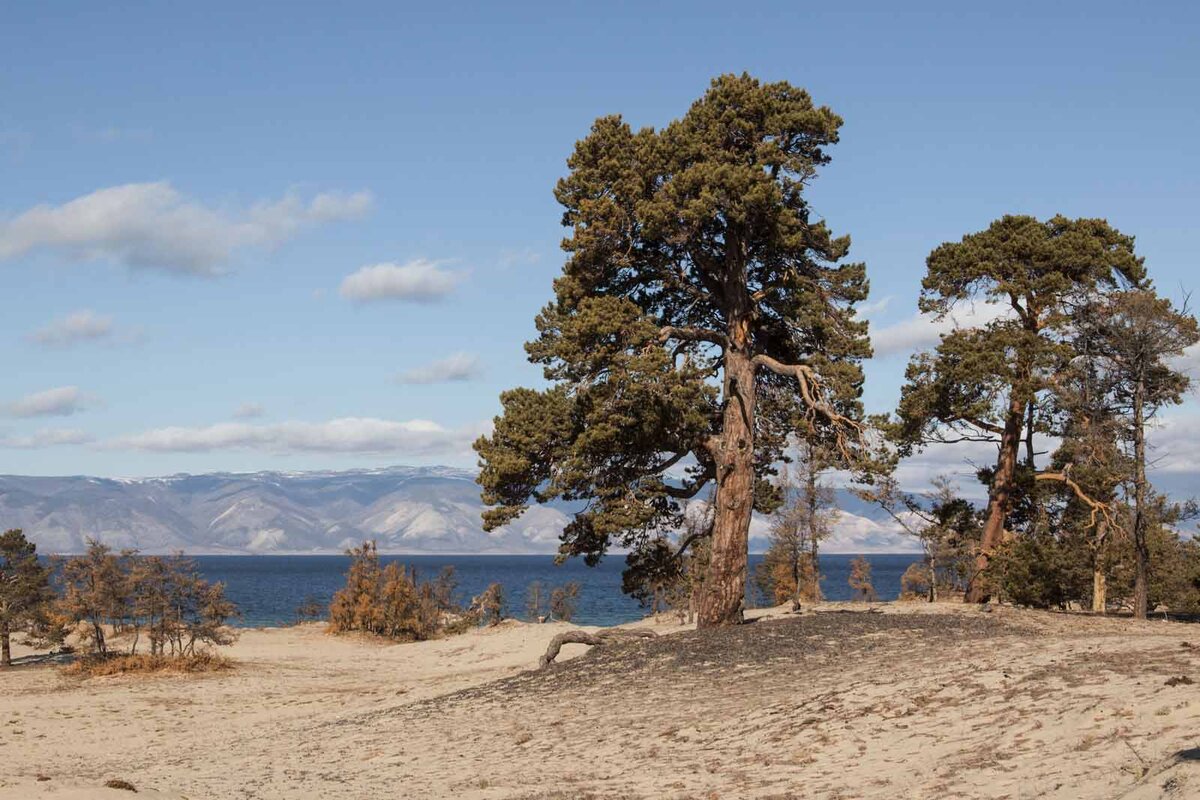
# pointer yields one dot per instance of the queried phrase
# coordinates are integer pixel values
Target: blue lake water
(269, 589)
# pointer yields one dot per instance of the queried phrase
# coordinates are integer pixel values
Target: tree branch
(811, 391)
(692, 335)
(984, 426)
(1064, 477)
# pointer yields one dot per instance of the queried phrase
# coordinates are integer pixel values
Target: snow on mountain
(405, 509)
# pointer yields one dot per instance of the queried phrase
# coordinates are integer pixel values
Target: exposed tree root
(593, 639)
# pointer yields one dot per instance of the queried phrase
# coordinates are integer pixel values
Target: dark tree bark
(1141, 581)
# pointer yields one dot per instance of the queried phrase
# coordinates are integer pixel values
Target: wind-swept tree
(703, 315)
(25, 590)
(1136, 334)
(990, 383)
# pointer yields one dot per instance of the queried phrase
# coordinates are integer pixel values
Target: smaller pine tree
(535, 602)
(862, 590)
(489, 606)
(563, 600)
(25, 591)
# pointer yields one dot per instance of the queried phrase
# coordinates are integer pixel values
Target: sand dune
(913, 702)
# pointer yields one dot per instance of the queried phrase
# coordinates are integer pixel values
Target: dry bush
(860, 581)
(117, 783)
(915, 582)
(488, 607)
(163, 602)
(390, 601)
(311, 610)
(96, 666)
(563, 600)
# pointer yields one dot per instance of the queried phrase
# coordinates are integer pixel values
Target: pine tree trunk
(1099, 590)
(1099, 580)
(1141, 582)
(815, 573)
(999, 501)
(797, 557)
(933, 596)
(724, 597)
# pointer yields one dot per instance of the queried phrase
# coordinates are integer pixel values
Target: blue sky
(185, 191)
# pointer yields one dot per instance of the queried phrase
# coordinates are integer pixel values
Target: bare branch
(692, 335)
(1097, 507)
(812, 391)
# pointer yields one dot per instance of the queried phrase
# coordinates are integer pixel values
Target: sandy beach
(906, 701)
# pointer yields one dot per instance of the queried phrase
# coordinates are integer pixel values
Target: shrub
(390, 601)
(95, 666)
(488, 607)
(311, 610)
(915, 582)
(563, 600)
(860, 581)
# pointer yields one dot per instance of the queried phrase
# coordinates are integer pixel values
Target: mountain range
(405, 509)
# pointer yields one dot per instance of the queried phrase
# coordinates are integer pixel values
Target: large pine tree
(703, 316)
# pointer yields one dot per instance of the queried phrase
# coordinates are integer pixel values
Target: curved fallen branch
(592, 639)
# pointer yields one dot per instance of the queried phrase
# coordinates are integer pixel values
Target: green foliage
(1037, 271)
(662, 578)
(690, 248)
(1042, 571)
(25, 591)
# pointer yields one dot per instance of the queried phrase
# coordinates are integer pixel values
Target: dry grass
(144, 664)
(117, 783)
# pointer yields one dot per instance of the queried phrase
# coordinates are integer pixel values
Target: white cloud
(1189, 362)
(344, 435)
(420, 280)
(79, 326)
(922, 331)
(249, 411)
(1173, 442)
(153, 226)
(456, 367)
(49, 437)
(62, 401)
(873, 307)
